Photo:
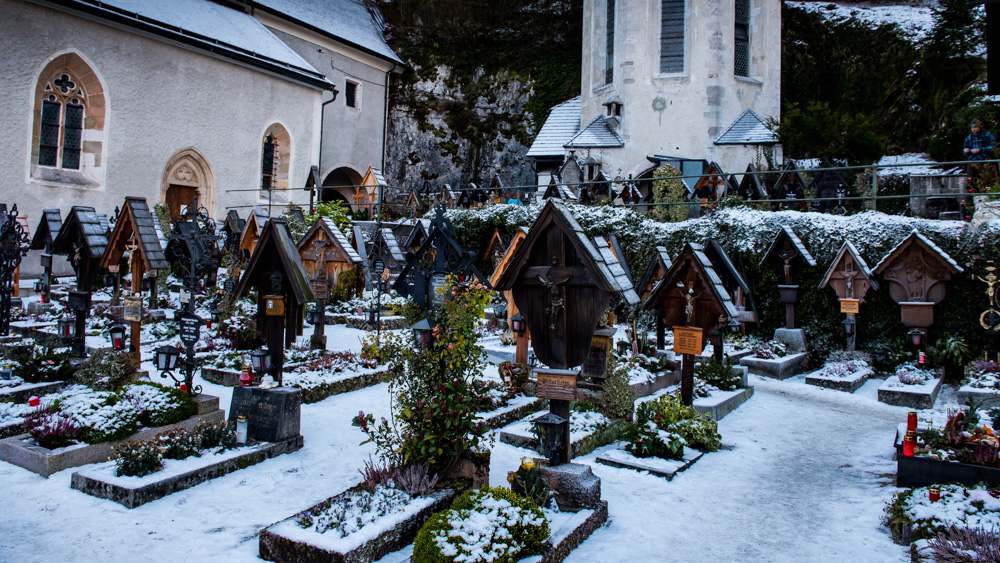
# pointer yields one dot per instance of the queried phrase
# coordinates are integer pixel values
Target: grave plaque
(990, 319)
(319, 287)
(556, 384)
(596, 364)
(132, 308)
(850, 306)
(183, 296)
(272, 415)
(688, 340)
(190, 329)
(275, 305)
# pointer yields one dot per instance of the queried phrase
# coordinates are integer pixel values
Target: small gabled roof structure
(790, 183)
(448, 196)
(519, 235)
(135, 225)
(658, 266)
(732, 185)
(337, 239)
(371, 182)
(616, 247)
(692, 270)
(712, 185)
(497, 192)
(276, 252)
(731, 276)
(748, 129)
(917, 254)
(786, 233)
(48, 228)
(562, 124)
(413, 199)
(599, 186)
(618, 269)
(233, 223)
(84, 227)
(559, 191)
(386, 238)
(253, 227)
(751, 186)
(597, 134)
(849, 264)
(418, 234)
(312, 178)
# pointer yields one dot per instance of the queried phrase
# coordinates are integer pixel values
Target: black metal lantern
(229, 285)
(423, 333)
(714, 337)
(379, 267)
(849, 326)
(109, 280)
(67, 328)
(532, 359)
(147, 283)
(39, 286)
(312, 316)
(916, 337)
(548, 428)
(500, 312)
(117, 333)
(261, 360)
(517, 324)
(166, 357)
(371, 315)
(214, 313)
(733, 325)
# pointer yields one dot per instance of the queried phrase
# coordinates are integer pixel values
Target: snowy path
(806, 480)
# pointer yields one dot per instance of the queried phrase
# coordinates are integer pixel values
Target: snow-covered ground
(806, 479)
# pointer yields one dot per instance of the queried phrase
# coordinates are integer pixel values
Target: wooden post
(521, 353)
(661, 332)
(275, 334)
(852, 338)
(687, 379)
(135, 327)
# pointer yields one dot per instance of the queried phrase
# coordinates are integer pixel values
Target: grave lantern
(6, 372)
(371, 315)
(499, 312)
(423, 333)
(261, 360)
(313, 316)
(147, 283)
(214, 313)
(916, 337)
(67, 328)
(165, 357)
(549, 429)
(532, 359)
(117, 333)
(849, 326)
(39, 286)
(517, 324)
(109, 280)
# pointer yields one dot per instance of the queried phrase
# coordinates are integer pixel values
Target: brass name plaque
(559, 386)
(688, 340)
(850, 306)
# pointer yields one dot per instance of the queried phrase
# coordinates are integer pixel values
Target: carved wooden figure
(326, 254)
(916, 271)
(850, 278)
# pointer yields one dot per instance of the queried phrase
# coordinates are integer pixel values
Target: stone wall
(932, 185)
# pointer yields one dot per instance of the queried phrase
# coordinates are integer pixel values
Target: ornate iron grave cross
(13, 247)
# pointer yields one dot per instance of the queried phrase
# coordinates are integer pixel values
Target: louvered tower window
(609, 60)
(672, 36)
(268, 163)
(741, 41)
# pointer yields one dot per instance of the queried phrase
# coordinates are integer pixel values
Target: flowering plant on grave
(434, 402)
(983, 375)
(770, 350)
(668, 414)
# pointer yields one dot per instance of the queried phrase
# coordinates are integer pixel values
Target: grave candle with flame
(909, 442)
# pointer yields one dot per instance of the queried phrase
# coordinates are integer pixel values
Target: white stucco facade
(678, 114)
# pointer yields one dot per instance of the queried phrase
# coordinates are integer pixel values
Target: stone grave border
(911, 396)
(638, 465)
(844, 384)
(985, 397)
(45, 462)
(579, 447)
(132, 497)
(588, 523)
(777, 368)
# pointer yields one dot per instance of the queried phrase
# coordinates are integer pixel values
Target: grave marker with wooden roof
(276, 272)
(561, 284)
(497, 192)
(658, 266)
(46, 231)
(849, 274)
(135, 227)
(789, 255)
(337, 255)
(712, 185)
(232, 228)
(417, 236)
(734, 282)
(599, 187)
(752, 186)
(252, 229)
(519, 235)
(790, 185)
(83, 237)
(916, 270)
(827, 184)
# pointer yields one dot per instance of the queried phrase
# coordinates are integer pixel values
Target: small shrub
(617, 397)
(669, 413)
(138, 459)
(350, 284)
(220, 434)
(959, 544)
(377, 473)
(507, 528)
(416, 479)
(179, 444)
(50, 429)
(721, 376)
(770, 350)
(647, 440)
(158, 405)
(108, 370)
(36, 364)
(527, 482)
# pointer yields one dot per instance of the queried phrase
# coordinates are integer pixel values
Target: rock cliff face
(445, 129)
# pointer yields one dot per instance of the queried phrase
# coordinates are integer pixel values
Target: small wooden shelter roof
(82, 224)
(135, 222)
(254, 225)
(559, 191)
(413, 199)
(618, 270)
(333, 234)
(233, 223)
(658, 266)
(555, 213)
(787, 232)
(920, 240)
(791, 175)
(519, 235)
(849, 248)
(276, 249)
(723, 265)
(751, 186)
(714, 282)
(418, 234)
(48, 228)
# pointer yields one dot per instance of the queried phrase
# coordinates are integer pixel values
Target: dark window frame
(672, 36)
(609, 47)
(741, 38)
(351, 89)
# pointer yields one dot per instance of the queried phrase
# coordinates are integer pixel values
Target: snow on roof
(618, 272)
(345, 20)
(342, 242)
(212, 21)
(748, 129)
(859, 261)
(933, 247)
(562, 125)
(598, 134)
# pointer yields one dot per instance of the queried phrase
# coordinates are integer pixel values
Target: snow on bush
(983, 375)
(350, 512)
(963, 507)
(842, 369)
(909, 374)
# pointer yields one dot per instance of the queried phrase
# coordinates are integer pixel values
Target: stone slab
(582, 528)
(273, 546)
(722, 403)
(574, 485)
(912, 396)
(45, 462)
(662, 381)
(346, 385)
(667, 469)
(846, 384)
(132, 497)
(388, 323)
(581, 446)
(272, 415)
(794, 339)
(986, 398)
(504, 416)
(22, 393)
(230, 377)
(777, 368)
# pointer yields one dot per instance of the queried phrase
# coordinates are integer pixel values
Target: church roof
(748, 129)
(205, 26)
(598, 134)
(347, 21)
(562, 125)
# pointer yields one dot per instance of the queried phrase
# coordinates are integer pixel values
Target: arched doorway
(187, 176)
(338, 185)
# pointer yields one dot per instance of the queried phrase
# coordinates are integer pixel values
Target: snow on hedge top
(933, 248)
(916, 20)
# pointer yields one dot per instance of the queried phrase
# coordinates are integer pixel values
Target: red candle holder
(911, 421)
(922, 359)
(34, 402)
(934, 494)
(246, 378)
(909, 443)
(184, 388)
